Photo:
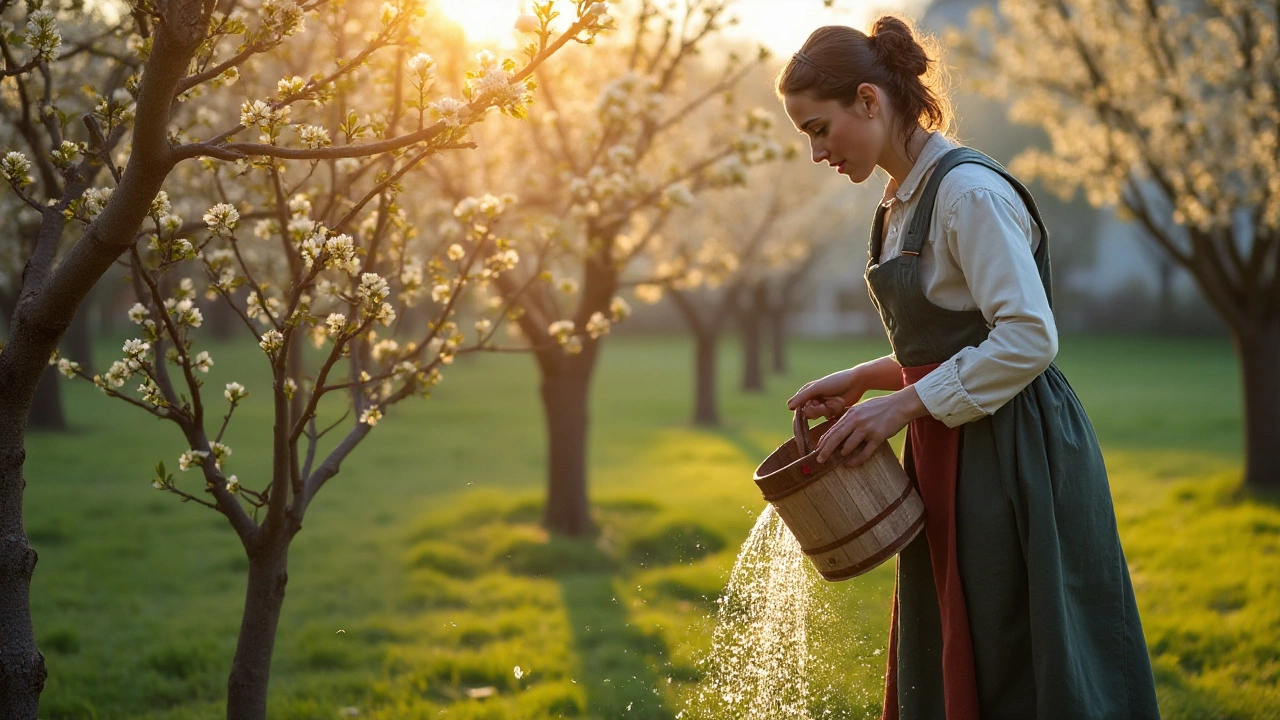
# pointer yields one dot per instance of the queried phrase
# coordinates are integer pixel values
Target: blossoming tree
(607, 167)
(1169, 111)
(333, 256)
(713, 255)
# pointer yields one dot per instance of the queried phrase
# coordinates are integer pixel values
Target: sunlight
(485, 22)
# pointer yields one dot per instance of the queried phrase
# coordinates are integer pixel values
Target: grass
(421, 578)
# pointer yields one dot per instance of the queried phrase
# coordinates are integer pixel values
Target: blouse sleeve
(991, 242)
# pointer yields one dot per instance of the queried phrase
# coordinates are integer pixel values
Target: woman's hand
(829, 396)
(864, 426)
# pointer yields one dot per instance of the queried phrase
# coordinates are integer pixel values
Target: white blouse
(977, 256)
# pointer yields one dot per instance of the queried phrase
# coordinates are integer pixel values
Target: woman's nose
(819, 153)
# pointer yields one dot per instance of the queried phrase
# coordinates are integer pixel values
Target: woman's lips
(840, 167)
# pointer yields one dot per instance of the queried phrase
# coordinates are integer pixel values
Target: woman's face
(850, 139)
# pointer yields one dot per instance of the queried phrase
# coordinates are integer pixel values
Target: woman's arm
(881, 374)
(989, 237)
(829, 396)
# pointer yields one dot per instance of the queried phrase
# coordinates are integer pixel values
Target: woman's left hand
(864, 426)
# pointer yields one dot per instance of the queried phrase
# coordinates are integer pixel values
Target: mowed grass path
(420, 579)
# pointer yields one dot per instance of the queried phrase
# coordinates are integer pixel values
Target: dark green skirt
(1055, 627)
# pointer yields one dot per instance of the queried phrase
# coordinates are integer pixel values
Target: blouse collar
(934, 148)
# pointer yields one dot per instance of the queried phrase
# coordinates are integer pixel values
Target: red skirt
(935, 452)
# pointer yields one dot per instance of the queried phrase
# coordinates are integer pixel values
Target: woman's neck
(899, 159)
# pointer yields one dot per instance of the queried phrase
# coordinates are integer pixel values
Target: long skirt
(1044, 590)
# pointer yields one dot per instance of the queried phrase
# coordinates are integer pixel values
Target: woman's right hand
(829, 396)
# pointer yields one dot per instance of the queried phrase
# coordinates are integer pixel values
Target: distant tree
(1169, 111)
(642, 129)
(332, 243)
(718, 255)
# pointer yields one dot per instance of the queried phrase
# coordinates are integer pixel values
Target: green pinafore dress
(1022, 609)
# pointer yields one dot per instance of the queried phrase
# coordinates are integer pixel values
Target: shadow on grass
(735, 436)
(619, 661)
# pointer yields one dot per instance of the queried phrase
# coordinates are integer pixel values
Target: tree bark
(44, 309)
(22, 669)
(1259, 353)
(77, 344)
(264, 598)
(223, 321)
(566, 387)
(778, 337)
(752, 339)
(706, 410)
(46, 408)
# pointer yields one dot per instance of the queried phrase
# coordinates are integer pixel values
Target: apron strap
(918, 229)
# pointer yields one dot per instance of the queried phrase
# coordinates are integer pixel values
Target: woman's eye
(820, 131)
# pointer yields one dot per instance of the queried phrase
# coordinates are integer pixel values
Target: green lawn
(421, 578)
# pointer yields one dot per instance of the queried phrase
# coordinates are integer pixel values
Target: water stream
(759, 666)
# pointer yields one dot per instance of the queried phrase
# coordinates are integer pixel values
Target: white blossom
(371, 416)
(289, 86)
(138, 313)
(43, 36)
(68, 368)
(135, 348)
(220, 452)
(597, 325)
(16, 168)
(340, 252)
(221, 219)
(235, 392)
(373, 288)
(314, 136)
(94, 200)
(272, 341)
(191, 458)
(449, 110)
(619, 309)
(560, 330)
(335, 322)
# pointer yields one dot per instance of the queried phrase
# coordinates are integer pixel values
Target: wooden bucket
(847, 520)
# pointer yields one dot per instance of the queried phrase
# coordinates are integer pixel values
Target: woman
(1015, 602)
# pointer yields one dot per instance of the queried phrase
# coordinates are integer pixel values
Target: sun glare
(485, 22)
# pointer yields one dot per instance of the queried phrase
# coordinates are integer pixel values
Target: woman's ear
(868, 102)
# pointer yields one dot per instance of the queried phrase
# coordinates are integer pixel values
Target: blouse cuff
(945, 398)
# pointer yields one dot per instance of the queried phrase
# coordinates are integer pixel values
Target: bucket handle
(800, 426)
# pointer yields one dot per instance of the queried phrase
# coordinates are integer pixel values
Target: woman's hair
(835, 60)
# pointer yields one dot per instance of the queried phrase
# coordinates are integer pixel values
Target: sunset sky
(782, 25)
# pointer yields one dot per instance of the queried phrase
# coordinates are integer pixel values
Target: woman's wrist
(910, 404)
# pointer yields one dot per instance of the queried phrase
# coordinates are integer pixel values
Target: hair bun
(896, 47)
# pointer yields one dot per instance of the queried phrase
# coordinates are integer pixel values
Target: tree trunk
(223, 322)
(22, 668)
(752, 345)
(1165, 322)
(566, 385)
(1259, 352)
(77, 344)
(778, 337)
(46, 407)
(251, 669)
(706, 411)
(44, 309)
